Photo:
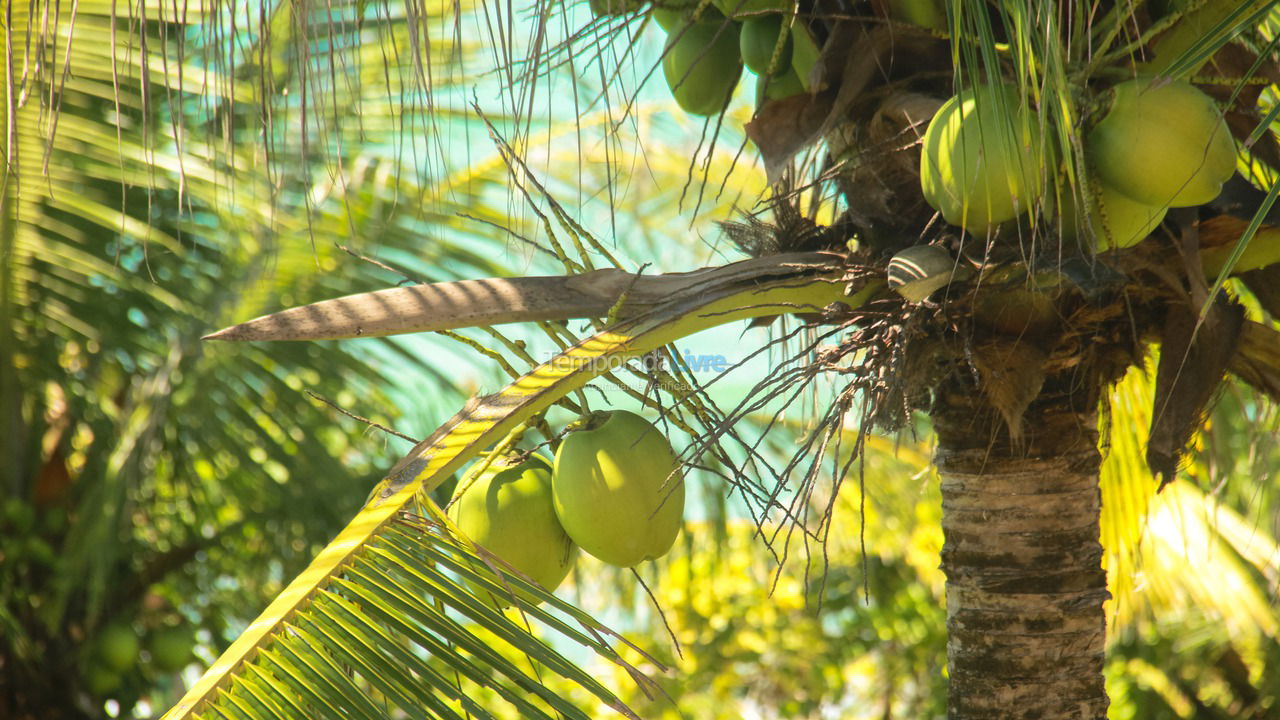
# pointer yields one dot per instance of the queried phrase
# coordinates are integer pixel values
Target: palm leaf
(1169, 553)
(128, 226)
(375, 554)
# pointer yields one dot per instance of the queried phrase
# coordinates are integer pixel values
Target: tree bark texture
(1022, 556)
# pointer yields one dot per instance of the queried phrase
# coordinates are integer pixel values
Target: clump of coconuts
(986, 161)
(708, 46)
(614, 490)
(1159, 144)
(1155, 144)
(117, 652)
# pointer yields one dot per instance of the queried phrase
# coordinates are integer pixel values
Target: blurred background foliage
(171, 175)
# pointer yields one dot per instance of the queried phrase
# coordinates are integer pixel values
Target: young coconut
(702, 65)
(170, 648)
(116, 647)
(1163, 143)
(980, 162)
(761, 37)
(618, 489)
(508, 511)
(776, 88)
(605, 8)
(670, 18)
(100, 680)
(742, 9)
(930, 14)
(1116, 220)
(674, 14)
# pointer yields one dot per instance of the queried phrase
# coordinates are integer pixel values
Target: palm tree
(1011, 365)
(1176, 641)
(1011, 361)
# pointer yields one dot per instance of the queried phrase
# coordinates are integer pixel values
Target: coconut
(618, 489)
(981, 161)
(1115, 219)
(508, 511)
(117, 647)
(759, 40)
(1162, 143)
(702, 65)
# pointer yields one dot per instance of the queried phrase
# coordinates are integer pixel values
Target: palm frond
(485, 422)
(1170, 552)
(403, 616)
(134, 217)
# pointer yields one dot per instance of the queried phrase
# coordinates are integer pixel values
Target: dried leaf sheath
(493, 301)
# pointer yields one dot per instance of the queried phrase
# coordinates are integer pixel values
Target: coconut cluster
(1160, 144)
(708, 47)
(118, 651)
(614, 490)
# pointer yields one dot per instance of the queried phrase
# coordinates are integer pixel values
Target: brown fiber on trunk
(1022, 557)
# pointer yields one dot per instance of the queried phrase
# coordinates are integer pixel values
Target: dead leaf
(1192, 363)
(781, 128)
(491, 301)
(1257, 358)
(1012, 374)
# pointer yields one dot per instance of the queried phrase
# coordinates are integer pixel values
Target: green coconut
(1115, 219)
(618, 489)
(804, 53)
(604, 8)
(776, 88)
(170, 648)
(742, 9)
(702, 65)
(670, 18)
(981, 160)
(930, 14)
(1162, 143)
(116, 647)
(508, 511)
(100, 680)
(759, 40)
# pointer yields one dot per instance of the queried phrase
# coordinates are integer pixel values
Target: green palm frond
(1180, 549)
(404, 615)
(485, 422)
(137, 214)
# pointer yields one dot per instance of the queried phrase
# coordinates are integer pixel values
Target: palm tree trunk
(1025, 586)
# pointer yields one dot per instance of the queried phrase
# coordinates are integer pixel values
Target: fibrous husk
(1012, 375)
